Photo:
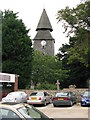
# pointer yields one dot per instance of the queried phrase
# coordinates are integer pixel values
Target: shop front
(8, 83)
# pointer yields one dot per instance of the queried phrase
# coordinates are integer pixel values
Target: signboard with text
(5, 77)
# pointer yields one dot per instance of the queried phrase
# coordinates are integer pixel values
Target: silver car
(16, 97)
(39, 98)
(64, 98)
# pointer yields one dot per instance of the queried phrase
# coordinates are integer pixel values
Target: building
(43, 41)
(8, 83)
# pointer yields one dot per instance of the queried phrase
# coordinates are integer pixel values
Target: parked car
(64, 98)
(16, 97)
(20, 111)
(39, 98)
(85, 100)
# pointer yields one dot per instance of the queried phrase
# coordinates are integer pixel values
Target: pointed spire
(43, 34)
(44, 22)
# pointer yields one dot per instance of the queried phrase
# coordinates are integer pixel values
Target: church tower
(43, 40)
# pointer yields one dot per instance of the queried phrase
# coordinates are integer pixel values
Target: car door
(47, 97)
(73, 97)
(24, 97)
(70, 96)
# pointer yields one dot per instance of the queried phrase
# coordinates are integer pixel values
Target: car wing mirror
(51, 119)
(81, 95)
(74, 94)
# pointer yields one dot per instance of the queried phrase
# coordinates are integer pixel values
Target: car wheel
(71, 103)
(54, 105)
(45, 103)
(50, 101)
(82, 105)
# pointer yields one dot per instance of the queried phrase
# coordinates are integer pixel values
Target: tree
(77, 71)
(47, 69)
(78, 22)
(17, 50)
(0, 41)
(74, 55)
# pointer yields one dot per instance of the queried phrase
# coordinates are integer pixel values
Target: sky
(31, 10)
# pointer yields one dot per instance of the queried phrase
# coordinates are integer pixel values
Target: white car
(39, 98)
(16, 97)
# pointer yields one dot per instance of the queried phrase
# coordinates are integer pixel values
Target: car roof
(16, 92)
(11, 105)
(37, 92)
(87, 91)
(62, 92)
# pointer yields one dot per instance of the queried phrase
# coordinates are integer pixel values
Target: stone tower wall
(48, 49)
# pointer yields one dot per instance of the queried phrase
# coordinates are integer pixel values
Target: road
(76, 111)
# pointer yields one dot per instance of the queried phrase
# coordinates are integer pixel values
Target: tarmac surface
(76, 111)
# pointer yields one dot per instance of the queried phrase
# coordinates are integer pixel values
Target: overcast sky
(31, 10)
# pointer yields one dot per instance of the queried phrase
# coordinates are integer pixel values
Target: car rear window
(36, 94)
(61, 94)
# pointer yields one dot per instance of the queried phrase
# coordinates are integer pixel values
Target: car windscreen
(87, 94)
(31, 112)
(10, 95)
(61, 94)
(36, 94)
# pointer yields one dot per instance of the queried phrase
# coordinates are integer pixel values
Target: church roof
(44, 22)
(43, 34)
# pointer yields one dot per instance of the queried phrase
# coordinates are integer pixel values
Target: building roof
(44, 22)
(43, 34)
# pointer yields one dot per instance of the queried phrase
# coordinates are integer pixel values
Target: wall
(48, 49)
(52, 92)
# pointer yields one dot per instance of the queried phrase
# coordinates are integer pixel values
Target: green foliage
(45, 86)
(77, 71)
(75, 55)
(0, 41)
(78, 22)
(17, 51)
(47, 69)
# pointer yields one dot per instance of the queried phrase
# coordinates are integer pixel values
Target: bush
(45, 86)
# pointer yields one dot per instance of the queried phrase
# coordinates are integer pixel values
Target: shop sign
(5, 77)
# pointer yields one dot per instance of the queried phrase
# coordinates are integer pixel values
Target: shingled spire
(43, 34)
(44, 22)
